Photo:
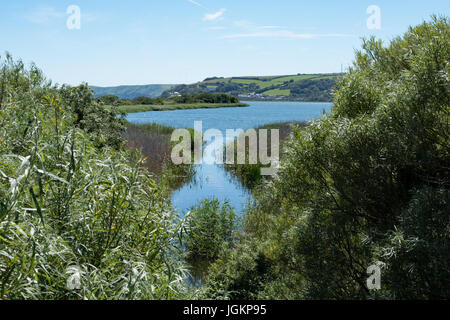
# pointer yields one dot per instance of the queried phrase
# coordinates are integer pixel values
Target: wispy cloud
(285, 34)
(197, 4)
(245, 24)
(44, 15)
(214, 16)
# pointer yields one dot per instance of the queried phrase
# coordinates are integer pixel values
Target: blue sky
(184, 41)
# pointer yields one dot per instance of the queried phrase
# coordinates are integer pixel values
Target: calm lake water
(212, 180)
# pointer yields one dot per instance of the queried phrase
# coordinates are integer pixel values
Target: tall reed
(79, 219)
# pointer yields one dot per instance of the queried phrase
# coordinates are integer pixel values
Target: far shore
(169, 107)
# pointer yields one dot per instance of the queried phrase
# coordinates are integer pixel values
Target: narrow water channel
(212, 180)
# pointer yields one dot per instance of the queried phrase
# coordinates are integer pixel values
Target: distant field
(277, 92)
(145, 108)
(298, 87)
(266, 82)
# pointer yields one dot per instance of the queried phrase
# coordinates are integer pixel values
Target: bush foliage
(208, 225)
(367, 184)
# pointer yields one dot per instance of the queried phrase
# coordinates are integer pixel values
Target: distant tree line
(313, 90)
(206, 97)
(213, 78)
(113, 100)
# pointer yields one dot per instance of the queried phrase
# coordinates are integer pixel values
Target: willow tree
(365, 185)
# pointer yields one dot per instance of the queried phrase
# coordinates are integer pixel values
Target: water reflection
(211, 181)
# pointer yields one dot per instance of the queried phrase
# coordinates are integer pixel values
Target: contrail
(197, 4)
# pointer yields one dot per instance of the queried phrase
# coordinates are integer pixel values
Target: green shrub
(209, 225)
(366, 184)
(79, 219)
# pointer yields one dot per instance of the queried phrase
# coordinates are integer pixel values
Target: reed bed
(250, 174)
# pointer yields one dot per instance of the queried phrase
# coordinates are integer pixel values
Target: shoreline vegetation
(153, 141)
(249, 175)
(172, 107)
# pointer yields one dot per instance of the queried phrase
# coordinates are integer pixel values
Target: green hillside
(300, 87)
(131, 92)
